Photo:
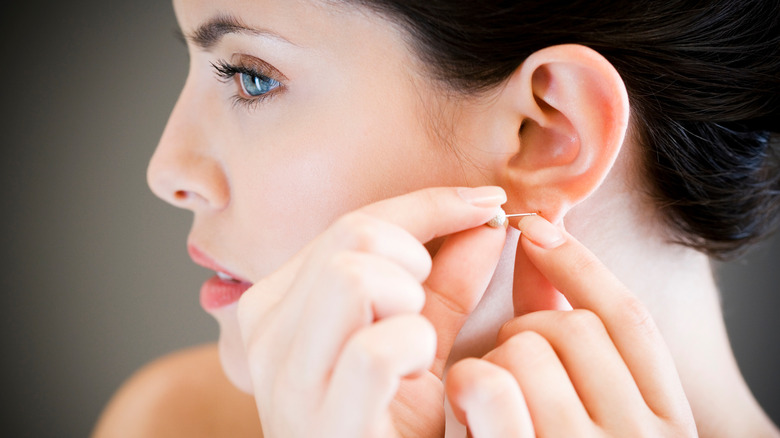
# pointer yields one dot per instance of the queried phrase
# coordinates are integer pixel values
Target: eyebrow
(208, 34)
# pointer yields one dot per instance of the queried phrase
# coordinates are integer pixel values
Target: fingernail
(485, 196)
(540, 232)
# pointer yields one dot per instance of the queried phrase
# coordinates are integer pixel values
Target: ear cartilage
(499, 220)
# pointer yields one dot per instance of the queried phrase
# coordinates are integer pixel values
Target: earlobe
(572, 110)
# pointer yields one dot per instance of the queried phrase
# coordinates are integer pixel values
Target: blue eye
(257, 85)
(254, 76)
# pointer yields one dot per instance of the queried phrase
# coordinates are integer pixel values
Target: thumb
(461, 271)
(531, 291)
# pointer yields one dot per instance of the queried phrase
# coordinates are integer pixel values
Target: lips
(222, 289)
(216, 293)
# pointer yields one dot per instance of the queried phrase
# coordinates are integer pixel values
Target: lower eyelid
(240, 98)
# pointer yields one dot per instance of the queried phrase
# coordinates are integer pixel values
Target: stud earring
(500, 219)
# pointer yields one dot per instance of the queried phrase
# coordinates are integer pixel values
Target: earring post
(500, 219)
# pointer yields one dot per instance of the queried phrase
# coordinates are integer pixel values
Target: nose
(184, 170)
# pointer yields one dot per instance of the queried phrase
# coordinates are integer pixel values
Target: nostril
(180, 195)
(189, 199)
(184, 198)
(188, 182)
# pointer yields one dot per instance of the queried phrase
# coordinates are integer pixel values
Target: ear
(571, 112)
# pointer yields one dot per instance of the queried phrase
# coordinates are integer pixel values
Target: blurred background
(95, 279)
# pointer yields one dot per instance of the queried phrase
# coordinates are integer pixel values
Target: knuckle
(636, 315)
(584, 265)
(429, 203)
(350, 269)
(369, 357)
(494, 384)
(427, 199)
(461, 369)
(527, 342)
(527, 350)
(583, 322)
(358, 230)
(497, 379)
(509, 329)
(352, 280)
(424, 262)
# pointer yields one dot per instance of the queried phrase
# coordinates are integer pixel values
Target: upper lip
(203, 259)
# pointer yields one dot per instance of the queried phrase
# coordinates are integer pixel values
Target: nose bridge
(184, 170)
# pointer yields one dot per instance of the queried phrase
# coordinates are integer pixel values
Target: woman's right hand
(599, 370)
(349, 338)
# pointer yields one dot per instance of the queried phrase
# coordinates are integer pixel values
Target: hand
(601, 369)
(350, 337)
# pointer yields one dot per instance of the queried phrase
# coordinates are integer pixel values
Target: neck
(677, 286)
(675, 282)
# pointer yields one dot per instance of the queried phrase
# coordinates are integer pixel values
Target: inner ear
(549, 139)
(543, 147)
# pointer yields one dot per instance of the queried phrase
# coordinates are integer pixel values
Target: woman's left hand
(601, 369)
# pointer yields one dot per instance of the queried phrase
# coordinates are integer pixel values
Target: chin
(231, 349)
(234, 366)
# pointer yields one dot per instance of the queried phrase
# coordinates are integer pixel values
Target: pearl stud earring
(500, 219)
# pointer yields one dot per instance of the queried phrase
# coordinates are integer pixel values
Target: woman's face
(292, 115)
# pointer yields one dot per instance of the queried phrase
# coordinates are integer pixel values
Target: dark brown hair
(703, 79)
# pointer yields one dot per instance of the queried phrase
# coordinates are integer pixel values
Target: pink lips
(217, 292)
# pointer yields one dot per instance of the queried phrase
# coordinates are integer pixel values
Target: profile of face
(297, 112)
(292, 115)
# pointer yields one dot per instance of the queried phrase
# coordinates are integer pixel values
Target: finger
(424, 214)
(357, 232)
(486, 398)
(440, 211)
(552, 401)
(531, 291)
(591, 360)
(588, 284)
(256, 306)
(357, 289)
(462, 270)
(369, 370)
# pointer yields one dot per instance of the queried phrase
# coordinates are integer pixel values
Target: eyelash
(227, 72)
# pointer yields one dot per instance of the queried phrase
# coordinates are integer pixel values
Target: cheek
(299, 176)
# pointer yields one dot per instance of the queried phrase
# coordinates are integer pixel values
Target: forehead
(322, 34)
(305, 23)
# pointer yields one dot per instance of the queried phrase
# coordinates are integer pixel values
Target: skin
(361, 306)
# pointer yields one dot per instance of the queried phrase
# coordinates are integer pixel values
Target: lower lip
(217, 293)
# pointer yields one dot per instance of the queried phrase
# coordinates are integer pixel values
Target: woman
(341, 158)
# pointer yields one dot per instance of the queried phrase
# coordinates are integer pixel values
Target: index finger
(440, 211)
(426, 214)
(587, 284)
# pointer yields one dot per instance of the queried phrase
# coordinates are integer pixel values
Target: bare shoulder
(182, 394)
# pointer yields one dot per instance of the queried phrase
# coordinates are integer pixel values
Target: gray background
(95, 276)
